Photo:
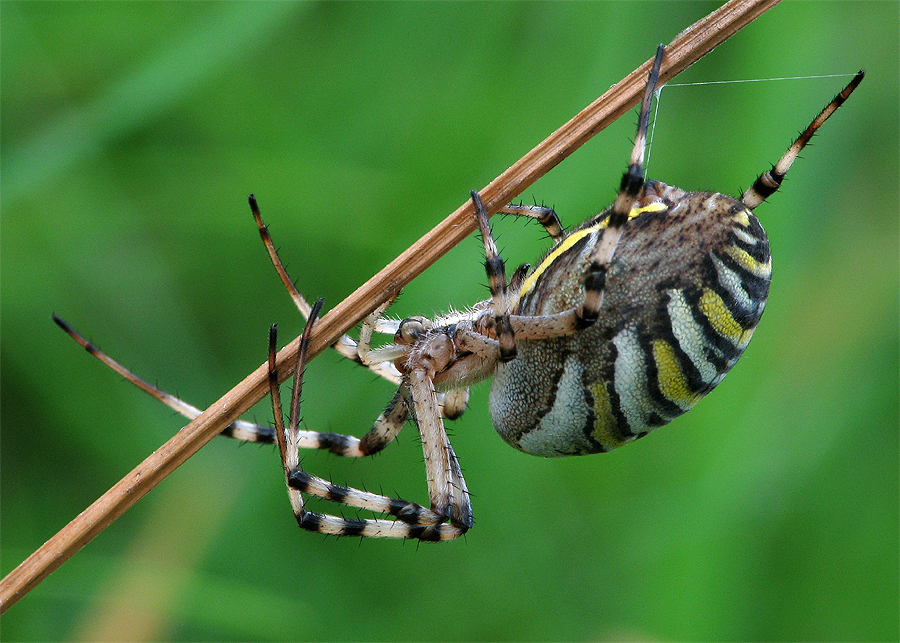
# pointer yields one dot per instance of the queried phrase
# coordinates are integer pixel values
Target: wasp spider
(624, 325)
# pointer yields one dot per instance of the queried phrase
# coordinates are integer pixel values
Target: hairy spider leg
(768, 182)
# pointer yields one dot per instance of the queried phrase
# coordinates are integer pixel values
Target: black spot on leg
(335, 442)
(352, 527)
(299, 480)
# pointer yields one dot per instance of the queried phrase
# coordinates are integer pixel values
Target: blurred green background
(132, 134)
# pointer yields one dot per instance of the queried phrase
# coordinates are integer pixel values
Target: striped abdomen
(685, 291)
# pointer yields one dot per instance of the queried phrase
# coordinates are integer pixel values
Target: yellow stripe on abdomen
(672, 381)
(605, 426)
(574, 238)
(714, 309)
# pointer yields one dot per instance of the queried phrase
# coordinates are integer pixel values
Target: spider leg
(462, 515)
(391, 420)
(446, 486)
(374, 323)
(496, 273)
(389, 423)
(504, 326)
(287, 441)
(345, 345)
(239, 429)
(411, 520)
(383, 431)
(544, 215)
(518, 278)
(629, 190)
(768, 182)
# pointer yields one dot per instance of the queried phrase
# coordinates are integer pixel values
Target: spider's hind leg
(768, 182)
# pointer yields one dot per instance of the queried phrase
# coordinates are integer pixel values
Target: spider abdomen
(684, 292)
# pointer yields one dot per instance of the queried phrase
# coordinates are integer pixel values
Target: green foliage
(132, 133)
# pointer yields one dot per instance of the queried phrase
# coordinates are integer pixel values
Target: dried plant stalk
(687, 48)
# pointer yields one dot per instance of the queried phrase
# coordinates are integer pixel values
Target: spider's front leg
(344, 345)
(449, 497)
(411, 520)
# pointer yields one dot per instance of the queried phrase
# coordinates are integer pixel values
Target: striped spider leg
(345, 344)
(241, 429)
(412, 520)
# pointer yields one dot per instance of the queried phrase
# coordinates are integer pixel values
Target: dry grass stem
(688, 47)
